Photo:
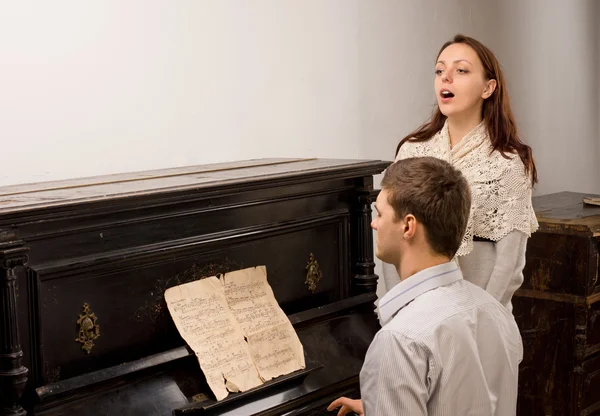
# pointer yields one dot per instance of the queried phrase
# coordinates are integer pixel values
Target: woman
(473, 128)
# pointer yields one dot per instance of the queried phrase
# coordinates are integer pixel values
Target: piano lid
(17, 198)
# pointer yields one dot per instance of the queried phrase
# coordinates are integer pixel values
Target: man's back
(453, 350)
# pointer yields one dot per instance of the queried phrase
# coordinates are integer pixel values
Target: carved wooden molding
(365, 279)
(13, 375)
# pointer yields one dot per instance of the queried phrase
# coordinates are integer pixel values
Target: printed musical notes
(276, 351)
(200, 312)
(274, 345)
(235, 326)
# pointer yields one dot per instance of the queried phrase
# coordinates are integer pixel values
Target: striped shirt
(447, 348)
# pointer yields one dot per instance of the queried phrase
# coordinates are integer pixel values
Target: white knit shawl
(500, 188)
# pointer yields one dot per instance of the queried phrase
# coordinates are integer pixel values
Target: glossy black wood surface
(115, 243)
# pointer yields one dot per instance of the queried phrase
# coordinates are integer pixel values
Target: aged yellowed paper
(200, 312)
(274, 344)
(236, 328)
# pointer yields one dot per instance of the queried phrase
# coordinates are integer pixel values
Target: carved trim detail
(580, 336)
(13, 375)
(365, 279)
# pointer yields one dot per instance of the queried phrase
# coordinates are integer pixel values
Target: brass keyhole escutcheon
(87, 329)
(313, 273)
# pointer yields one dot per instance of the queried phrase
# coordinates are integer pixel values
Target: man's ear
(409, 226)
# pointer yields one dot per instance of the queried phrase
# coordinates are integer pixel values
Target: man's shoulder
(442, 307)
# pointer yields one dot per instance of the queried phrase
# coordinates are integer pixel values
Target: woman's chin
(446, 109)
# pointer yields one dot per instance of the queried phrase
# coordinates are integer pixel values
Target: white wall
(92, 88)
(550, 55)
(100, 87)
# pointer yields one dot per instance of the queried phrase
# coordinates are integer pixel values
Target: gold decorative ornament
(88, 330)
(313, 273)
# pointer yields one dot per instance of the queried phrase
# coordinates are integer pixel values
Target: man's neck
(460, 126)
(414, 264)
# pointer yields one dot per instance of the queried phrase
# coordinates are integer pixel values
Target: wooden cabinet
(558, 310)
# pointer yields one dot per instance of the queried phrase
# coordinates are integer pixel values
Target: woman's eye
(462, 71)
(438, 71)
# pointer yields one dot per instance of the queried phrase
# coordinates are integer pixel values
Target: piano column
(365, 279)
(13, 375)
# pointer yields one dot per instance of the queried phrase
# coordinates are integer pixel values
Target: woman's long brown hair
(497, 114)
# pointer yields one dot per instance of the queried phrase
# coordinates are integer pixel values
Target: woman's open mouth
(446, 95)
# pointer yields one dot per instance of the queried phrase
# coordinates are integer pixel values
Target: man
(447, 347)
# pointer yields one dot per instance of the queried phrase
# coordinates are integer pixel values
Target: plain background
(89, 88)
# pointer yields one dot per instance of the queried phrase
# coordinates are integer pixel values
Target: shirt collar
(409, 289)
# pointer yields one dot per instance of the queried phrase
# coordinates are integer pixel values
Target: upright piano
(86, 262)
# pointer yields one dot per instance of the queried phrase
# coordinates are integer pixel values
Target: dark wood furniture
(558, 310)
(85, 263)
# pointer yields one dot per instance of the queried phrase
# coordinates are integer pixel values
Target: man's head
(422, 210)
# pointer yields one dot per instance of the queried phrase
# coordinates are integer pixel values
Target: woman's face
(460, 83)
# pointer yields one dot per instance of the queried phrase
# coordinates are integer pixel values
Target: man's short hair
(436, 193)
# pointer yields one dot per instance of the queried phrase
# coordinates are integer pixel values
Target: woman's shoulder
(507, 164)
(429, 147)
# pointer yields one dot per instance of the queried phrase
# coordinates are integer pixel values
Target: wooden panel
(61, 239)
(339, 343)
(592, 331)
(557, 263)
(193, 226)
(547, 329)
(587, 399)
(135, 322)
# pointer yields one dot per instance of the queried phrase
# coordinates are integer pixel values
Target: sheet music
(235, 326)
(274, 344)
(276, 351)
(202, 316)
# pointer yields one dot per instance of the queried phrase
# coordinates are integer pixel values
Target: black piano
(86, 262)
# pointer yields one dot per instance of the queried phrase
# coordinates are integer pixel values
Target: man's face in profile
(389, 230)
